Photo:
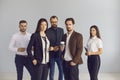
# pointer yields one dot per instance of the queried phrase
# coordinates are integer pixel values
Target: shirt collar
(22, 34)
(94, 37)
(70, 34)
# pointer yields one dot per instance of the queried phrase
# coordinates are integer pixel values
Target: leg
(89, 65)
(39, 71)
(45, 72)
(19, 66)
(52, 69)
(29, 66)
(94, 65)
(60, 68)
(74, 73)
(66, 70)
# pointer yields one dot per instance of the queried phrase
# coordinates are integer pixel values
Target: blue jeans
(52, 68)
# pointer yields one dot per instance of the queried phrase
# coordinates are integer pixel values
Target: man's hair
(53, 17)
(22, 21)
(70, 19)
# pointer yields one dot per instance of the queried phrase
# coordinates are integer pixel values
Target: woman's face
(43, 26)
(93, 32)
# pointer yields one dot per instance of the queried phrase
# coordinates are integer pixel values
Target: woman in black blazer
(39, 45)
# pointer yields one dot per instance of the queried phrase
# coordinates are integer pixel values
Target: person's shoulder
(99, 40)
(60, 28)
(15, 34)
(49, 29)
(34, 34)
(77, 33)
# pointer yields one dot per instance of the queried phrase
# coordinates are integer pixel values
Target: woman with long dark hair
(94, 48)
(40, 44)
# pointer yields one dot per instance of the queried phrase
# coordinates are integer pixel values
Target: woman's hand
(88, 53)
(35, 62)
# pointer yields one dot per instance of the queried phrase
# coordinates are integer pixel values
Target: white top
(45, 53)
(67, 55)
(19, 40)
(94, 44)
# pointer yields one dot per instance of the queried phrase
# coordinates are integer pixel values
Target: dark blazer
(55, 37)
(36, 43)
(75, 46)
(55, 33)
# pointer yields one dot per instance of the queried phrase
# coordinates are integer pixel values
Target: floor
(83, 76)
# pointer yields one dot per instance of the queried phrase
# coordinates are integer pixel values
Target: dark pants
(70, 72)
(52, 68)
(93, 66)
(21, 62)
(41, 71)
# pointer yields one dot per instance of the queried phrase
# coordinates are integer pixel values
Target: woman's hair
(39, 24)
(97, 31)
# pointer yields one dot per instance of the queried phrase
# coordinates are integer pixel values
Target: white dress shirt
(67, 55)
(45, 52)
(94, 44)
(19, 41)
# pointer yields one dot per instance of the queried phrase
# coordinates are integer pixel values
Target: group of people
(39, 51)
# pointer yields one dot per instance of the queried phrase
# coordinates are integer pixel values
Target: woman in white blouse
(94, 48)
(40, 44)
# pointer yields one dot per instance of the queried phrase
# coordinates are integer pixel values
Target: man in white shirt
(72, 51)
(18, 45)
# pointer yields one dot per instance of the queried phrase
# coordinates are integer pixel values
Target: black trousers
(70, 72)
(21, 62)
(41, 71)
(93, 63)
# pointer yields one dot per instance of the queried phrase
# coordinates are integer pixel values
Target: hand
(34, 62)
(88, 53)
(51, 48)
(56, 48)
(21, 49)
(72, 63)
(62, 47)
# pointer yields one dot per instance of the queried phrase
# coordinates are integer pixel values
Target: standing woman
(39, 43)
(93, 49)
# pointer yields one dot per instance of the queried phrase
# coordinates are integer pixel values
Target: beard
(22, 30)
(68, 29)
(54, 25)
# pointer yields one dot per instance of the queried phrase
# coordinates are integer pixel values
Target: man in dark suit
(54, 34)
(72, 51)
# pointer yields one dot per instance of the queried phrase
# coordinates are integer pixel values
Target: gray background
(104, 13)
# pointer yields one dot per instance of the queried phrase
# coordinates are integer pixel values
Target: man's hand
(62, 47)
(72, 63)
(21, 49)
(56, 48)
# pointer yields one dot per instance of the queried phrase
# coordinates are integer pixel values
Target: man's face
(54, 22)
(69, 26)
(23, 27)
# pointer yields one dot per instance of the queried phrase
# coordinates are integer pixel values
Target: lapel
(72, 37)
(39, 39)
(71, 41)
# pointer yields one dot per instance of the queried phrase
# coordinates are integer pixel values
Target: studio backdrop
(103, 13)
